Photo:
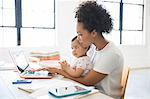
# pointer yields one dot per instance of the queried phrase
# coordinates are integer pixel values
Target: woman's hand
(52, 70)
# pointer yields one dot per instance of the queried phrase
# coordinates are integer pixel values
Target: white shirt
(91, 52)
(84, 63)
(109, 61)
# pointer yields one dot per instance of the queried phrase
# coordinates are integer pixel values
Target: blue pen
(22, 82)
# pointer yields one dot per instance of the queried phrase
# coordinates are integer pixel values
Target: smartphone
(68, 91)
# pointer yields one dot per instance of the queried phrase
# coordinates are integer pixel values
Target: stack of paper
(42, 56)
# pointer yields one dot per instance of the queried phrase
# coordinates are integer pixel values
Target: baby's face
(77, 49)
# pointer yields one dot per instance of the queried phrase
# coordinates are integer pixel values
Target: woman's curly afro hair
(94, 17)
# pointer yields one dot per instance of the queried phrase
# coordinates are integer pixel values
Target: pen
(22, 82)
(56, 90)
(65, 88)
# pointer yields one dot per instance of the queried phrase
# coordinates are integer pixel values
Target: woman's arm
(74, 72)
(90, 79)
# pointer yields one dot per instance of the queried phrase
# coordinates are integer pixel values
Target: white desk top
(138, 84)
(41, 86)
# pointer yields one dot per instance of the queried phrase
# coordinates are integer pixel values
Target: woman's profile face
(84, 36)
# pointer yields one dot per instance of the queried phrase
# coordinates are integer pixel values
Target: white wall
(65, 24)
(135, 56)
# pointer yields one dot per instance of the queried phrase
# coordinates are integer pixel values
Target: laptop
(24, 68)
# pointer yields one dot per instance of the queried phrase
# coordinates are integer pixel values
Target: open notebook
(23, 66)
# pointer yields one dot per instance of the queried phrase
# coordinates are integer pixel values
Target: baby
(82, 64)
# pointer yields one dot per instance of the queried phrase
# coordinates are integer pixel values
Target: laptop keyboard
(37, 73)
(30, 72)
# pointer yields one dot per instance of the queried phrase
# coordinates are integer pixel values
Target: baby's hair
(79, 43)
(74, 38)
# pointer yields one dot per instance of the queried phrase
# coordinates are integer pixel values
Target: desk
(138, 84)
(42, 93)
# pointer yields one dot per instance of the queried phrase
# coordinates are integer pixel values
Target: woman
(92, 22)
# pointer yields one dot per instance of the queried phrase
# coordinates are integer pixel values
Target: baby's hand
(64, 65)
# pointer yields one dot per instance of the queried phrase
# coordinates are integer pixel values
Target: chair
(125, 74)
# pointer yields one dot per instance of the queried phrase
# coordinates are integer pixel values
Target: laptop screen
(20, 60)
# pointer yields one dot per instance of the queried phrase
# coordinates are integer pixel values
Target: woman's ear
(94, 33)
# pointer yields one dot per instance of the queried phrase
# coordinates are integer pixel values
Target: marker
(56, 90)
(22, 82)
